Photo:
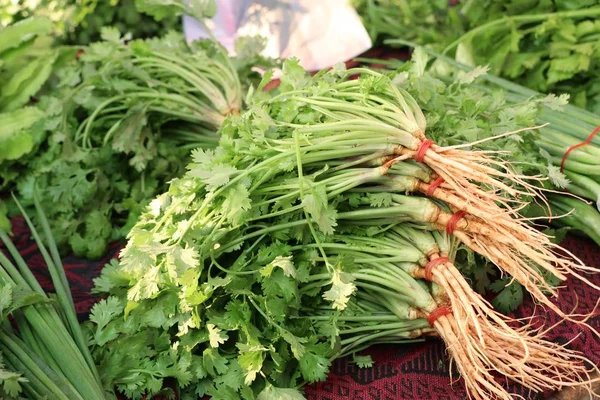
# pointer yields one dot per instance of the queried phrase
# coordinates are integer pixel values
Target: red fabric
(401, 372)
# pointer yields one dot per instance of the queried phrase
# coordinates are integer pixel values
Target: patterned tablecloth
(401, 372)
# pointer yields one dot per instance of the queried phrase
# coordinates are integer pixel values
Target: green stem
(505, 22)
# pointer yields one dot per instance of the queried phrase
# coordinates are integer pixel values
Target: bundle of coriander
(568, 143)
(325, 221)
(110, 124)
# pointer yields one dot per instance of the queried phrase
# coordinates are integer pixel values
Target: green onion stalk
(292, 219)
(44, 343)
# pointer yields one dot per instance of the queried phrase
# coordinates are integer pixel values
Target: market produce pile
(272, 231)
(550, 46)
(43, 352)
(110, 125)
(297, 240)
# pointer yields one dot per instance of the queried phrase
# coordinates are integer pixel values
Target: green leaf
(25, 83)
(294, 76)
(203, 8)
(15, 34)
(5, 299)
(315, 203)
(342, 288)
(295, 344)
(363, 361)
(419, 62)
(110, 34)
(233, 378)
(509, 297)
(286, 264)
(314, 365)
(278, 284)
(162, 9)
(215, 335)
(251, 359)
(271, 392)
(15, 140)
(557, 178)
(214, 363)
(237, 201)
(22, 297)
(381, 199)
(11, 382)
(213, 176)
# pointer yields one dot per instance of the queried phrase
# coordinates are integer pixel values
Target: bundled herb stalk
(568, 142)
(116, 122)
(41, 342)
(313, 208)
(472, 183)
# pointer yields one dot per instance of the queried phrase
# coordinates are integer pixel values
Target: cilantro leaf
(342, 287)
(215, 335)
(271, 392)
(363, 361)
(509, 297)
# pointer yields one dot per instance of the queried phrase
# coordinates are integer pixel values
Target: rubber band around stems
(437, 313)
(457, 216)
(420, 155)
(428, 273)
(578, 145)
(434, 185)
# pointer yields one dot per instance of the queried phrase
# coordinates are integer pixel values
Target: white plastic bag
(320, 33)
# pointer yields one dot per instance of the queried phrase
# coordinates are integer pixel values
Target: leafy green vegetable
(119, 123)
(11, 382)
(24, 31)
(284, 247)
(81, 22)
(363, 361)
(548, 46)
(15, 139)
(565, 126)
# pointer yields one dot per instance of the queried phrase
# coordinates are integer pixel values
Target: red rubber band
(428, 274)
(578, 145)
(457, 216)
(425, 144)
(437, 313)
(434, 185)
